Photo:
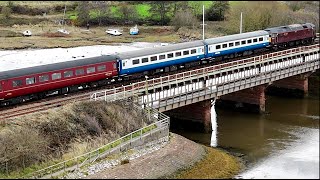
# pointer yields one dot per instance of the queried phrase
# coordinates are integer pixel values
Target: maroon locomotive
(39, 81)
(291, 35)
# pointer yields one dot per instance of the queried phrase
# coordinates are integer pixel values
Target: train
(20, 85)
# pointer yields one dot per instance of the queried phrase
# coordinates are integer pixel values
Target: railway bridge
(189, 94)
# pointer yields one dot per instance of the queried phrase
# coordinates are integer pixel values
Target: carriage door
(274, 37)
(1, 85)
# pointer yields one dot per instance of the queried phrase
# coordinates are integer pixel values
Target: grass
(216, 165)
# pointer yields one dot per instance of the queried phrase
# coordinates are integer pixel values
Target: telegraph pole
(241, 23)
(203, 22)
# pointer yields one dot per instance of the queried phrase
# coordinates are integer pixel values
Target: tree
(160, 8)
(128, 12)
(180, 5)
(83, 12)
(102, 9)
(258, 15)
(183, 18)
(217, 11)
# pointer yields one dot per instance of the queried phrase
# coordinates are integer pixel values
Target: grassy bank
(33, 142)
(217, 164)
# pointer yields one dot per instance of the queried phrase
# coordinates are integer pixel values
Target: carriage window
(170, 55)
(255, 40)
(224, 45)
(67, 74)
(114, 65)
(261, 39)
(144, 60)
(102, 68)
(0, 87)
(153, 58)
(230, 44)
(90, 70)
(178, 54)
(237, 43)
(193, 51)
(162, 56)
(44, 78)
(56, 76)
(79, 72)
(218, 46)
(243, 42)
(186, 52)
(31, 80)
(16, 83)
(136, 61)
(249, 41)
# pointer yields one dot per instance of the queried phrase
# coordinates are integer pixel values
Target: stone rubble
(102, 165)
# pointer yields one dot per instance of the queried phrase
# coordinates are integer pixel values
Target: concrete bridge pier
(250, 100)
(296, 86)
(199, 112)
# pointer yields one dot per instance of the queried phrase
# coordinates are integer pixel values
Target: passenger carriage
(59, 78)
(156, 58)
(237, 43)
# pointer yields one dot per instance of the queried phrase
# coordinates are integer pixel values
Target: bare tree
(161, 8)
(102, 7)
(184, 18)
(128, 12)
(83, 12)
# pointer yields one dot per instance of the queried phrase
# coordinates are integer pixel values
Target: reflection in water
(213, 142)
(284, 142)
(300, 160)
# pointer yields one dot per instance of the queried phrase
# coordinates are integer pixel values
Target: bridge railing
(139, 87)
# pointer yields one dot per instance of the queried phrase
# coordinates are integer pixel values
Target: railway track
(60, 100)
(41, 106)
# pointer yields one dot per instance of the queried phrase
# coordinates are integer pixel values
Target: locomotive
(36, 82)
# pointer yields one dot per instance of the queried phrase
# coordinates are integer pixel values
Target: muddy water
(283, 143)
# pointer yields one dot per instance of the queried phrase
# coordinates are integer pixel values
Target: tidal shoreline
(179, 158)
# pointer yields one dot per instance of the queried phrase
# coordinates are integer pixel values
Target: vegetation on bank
(33, 142)
(217, 164)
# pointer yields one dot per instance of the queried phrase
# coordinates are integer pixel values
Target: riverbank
(179, 158)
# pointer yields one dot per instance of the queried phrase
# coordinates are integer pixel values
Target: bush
(6, 12)
(184, 18)
(21, 147)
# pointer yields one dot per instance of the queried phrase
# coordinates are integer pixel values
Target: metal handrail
(161, 122)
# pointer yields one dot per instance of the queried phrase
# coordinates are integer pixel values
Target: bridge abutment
(199, 112)
(296, 86)
(250, 100)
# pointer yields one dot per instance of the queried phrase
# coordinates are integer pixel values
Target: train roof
(54, 67)
(161, 49)
(235, 37)
(292, 27)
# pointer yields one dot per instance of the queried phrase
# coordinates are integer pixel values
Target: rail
(139, 87)
(161, 123)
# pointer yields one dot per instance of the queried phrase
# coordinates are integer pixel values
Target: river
(282, 143)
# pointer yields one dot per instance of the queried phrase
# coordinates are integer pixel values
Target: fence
(160, 127)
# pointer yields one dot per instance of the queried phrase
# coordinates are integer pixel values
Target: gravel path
(178, 154)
